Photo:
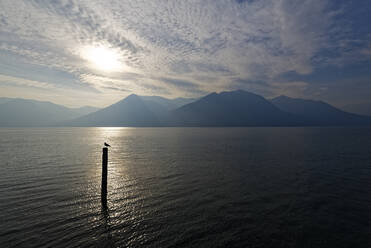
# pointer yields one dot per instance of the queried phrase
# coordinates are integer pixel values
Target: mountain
(131, 111)
(359, 108)
(318, 112)
(5, 99)
(16, 112)
(168, 104)
(235, 108)
(85, 110)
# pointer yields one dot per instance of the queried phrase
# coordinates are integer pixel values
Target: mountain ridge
(228, 108)
(318, 112)
(130, 111)
(358, 108)
(233, 108)
(18, 112)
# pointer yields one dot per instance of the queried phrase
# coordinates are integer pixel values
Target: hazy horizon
(363, 104)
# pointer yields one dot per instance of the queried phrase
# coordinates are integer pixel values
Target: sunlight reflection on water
(185, 187)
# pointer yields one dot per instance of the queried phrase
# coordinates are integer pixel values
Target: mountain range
(233, 108)
(17, 112)
(358, 108)
(318, 112)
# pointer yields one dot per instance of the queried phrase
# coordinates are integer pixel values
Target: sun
(102, 58)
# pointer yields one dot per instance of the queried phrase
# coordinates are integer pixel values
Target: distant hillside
(22, 112)
(131, 111)
(168, 104)
(235, 108)
(17, 112)
(5, 99)
(85, 110)
(318, 112)
(360, 108)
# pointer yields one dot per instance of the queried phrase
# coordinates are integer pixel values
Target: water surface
(186, 187)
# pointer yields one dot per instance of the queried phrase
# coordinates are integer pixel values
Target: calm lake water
(186, 187)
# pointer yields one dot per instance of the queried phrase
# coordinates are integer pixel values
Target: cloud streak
(182, 47)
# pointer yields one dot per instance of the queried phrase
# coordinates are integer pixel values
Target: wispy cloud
(4, 79)
(182, 47)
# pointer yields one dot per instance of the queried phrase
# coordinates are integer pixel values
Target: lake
(186, 187)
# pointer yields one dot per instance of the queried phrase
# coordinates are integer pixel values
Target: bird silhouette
(106, 144)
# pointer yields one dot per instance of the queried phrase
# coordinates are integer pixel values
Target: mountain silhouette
(17, 112)
(168, 104)
(318, 112)
(84, 110)
(131, 111)
(234, 108)
(358, 108)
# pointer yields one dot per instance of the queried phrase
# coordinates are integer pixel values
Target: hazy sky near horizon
(90, 52)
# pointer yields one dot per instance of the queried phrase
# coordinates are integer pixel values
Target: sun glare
(103, 58)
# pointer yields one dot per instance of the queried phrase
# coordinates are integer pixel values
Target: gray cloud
(179, 47)
(183, 85)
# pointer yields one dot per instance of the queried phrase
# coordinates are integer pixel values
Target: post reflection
(106, 222)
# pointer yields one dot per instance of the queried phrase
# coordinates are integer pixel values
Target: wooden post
(104, 177)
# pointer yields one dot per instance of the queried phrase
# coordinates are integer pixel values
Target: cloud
(182, 47)
(4, 79)
(294, 89)
(183, 85)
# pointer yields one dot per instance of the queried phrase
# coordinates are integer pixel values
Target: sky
(90, 52)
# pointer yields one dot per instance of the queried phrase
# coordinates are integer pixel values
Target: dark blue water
(186, 187)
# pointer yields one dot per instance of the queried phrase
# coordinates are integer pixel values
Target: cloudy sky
(90, 52)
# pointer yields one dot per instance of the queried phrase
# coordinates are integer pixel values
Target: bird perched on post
(106, 144)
